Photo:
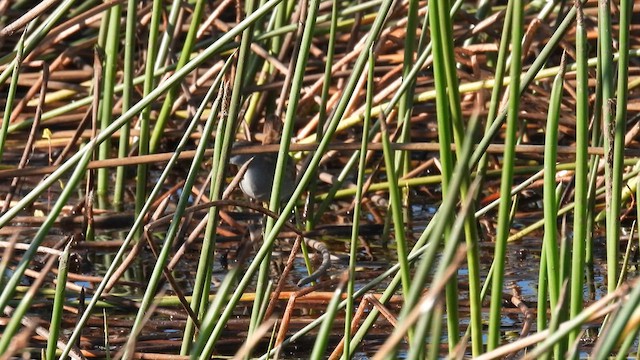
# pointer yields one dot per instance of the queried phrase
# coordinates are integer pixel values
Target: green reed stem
(405, 107)
(471, 227)
(243, 58)
(322, 113)
(11, 94)
(185, 55)
(127, 99)
(357, 209)
(605, 43)
(550, 240)
(496, 91)
(445, 138)
(171, 21)
(301, 59)
(396, 209)
(205, 343)
(58, 303)
(324, 334)
(622, 95)
(145, 121)
(581, 174)
(497, 282)
(112, 45)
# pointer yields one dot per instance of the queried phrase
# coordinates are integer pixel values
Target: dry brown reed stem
(212, 17)
(355, 324)
(283, 277)
(36, 85)
(186, 155)
(386, 313)
(288, 312)
(197, 231)
(516, 299)
(23, 20)
(199, 82)
(28, 148)
(20, 246)
(186, 306)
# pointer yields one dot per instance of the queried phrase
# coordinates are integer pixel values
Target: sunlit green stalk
(551, 264)
(496, 91)
(145, 121)
(543, 290)
(596, 140)
(322, 113)
(396, 209)
(301, 59)
(235, 103)
(447, 254)
(436, 332)
(112, 46)
(581, 174)
(619, 133)
(445, 139)
(58, 303)
(605, 43)
(470, 226)
(504, 225)
(405, 107)
(127, 98)
(550, 240)
(13, 86)
(204, 344)
(185, 54)
(324, 334)
(201, 290)
(357, 211)
(170, 21)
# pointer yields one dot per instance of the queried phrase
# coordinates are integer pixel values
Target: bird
(257, 181)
